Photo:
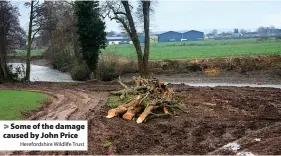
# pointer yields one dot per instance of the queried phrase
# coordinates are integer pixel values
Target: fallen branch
(132, 91)
(153, 115)
(131, 113)
(122, 84)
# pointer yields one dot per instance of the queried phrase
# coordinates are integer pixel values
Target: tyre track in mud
(218, 116)
(64, 103)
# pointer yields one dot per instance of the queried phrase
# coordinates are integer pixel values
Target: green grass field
(202, 49)
(36, 52)
(13, 102)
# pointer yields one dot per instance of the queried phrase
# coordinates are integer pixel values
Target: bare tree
(122, 12)
(63, 38)
(37, 21)
(215, 32)
(146, 9)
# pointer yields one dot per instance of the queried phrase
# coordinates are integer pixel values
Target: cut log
(134, 108)
(116, 111)
(165, 110)
(145, 113)
(123, 108)
(131, 113)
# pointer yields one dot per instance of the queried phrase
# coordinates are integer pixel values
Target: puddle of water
(245, 154)
(226, 84)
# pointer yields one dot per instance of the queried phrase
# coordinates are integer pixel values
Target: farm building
(117, 40)
(193, 35)
(170, 36)
(153, 38)
(173, 36)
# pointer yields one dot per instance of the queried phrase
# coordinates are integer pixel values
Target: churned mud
(220, 120)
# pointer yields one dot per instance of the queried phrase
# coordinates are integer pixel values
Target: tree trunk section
(3, 52)
(123, 108)
(134, 36)
(146, 9)
(132, 111)
(27, 77)
(145, 113)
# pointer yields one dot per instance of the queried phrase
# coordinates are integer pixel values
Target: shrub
(108, 67)
(108, 72)
(80, 72)
(111, 67)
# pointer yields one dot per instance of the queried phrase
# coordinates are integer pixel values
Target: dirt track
(217, 116)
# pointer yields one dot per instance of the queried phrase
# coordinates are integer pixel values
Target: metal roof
(162, 32)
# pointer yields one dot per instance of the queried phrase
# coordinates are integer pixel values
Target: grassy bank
(35, 52)
(14, 103)
(203, 49)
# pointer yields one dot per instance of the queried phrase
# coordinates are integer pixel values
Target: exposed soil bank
(265, 77)
(217, 116)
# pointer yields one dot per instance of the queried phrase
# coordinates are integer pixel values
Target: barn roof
(162, 32)
(192, 30)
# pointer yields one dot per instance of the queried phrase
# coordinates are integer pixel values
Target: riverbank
(255, 70)
(217, 117)
(35, 61)
(265, 78)
(254, 77)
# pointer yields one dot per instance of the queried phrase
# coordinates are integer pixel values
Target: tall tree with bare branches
(122, 12)
(37, 21)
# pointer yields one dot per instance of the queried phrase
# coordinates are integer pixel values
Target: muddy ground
(217, 116)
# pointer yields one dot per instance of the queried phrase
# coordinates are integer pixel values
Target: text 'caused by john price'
(41, 135)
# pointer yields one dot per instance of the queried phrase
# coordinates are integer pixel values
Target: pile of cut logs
(151, 98)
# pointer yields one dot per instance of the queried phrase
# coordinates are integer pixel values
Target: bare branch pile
(151, 98)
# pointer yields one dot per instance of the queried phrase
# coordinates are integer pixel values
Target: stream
(44, 73)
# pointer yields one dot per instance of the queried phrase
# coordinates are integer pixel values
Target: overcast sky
(203, 15)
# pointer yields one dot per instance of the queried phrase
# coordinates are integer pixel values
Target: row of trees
(10, 35)
(76, 39)
(261, 31)
(73, 31)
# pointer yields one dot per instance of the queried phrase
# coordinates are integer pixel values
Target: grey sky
(203, 15)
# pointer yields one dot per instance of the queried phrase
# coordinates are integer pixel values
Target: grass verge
(13, 103)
